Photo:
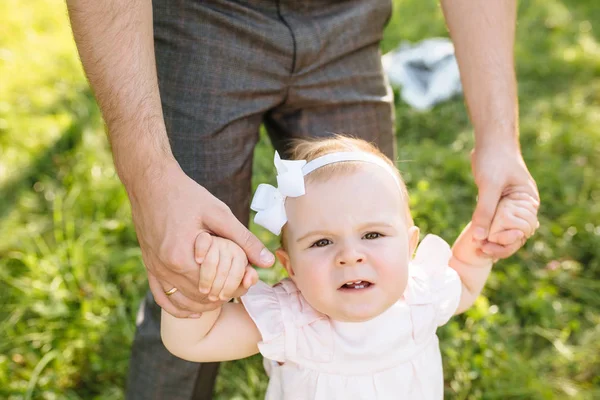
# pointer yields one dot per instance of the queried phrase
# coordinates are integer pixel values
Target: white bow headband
(269, 202)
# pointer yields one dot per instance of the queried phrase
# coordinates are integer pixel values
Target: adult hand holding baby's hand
(514, 222)
(169, 211)
(500, 172)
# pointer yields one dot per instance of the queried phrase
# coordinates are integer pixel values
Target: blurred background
(71, 275)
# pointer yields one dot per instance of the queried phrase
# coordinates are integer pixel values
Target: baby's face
(348, 244)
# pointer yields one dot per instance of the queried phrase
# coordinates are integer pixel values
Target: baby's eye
(372, 235)
(321, 243)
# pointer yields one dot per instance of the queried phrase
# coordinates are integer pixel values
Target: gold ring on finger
(171, 291)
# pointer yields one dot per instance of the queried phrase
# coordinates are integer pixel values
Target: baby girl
(357, 317)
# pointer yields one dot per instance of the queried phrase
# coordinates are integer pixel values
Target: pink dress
(392, 356)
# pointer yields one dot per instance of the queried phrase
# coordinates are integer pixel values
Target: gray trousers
(303, 68)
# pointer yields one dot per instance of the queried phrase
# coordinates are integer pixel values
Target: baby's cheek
(395, 279)
(401, 286)
(317, 296)
(311, 283)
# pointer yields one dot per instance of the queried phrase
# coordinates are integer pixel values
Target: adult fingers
(185, 285)
(208, 269)
(180, 280)
(177, 268)
(163, 300)
(181, 303)
(487, 203)
(225, 224)
(177, 302)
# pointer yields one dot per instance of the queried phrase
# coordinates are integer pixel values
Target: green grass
(71, 275)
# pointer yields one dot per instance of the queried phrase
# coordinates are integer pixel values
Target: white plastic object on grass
(426, 71)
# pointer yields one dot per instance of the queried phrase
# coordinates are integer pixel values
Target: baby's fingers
(514, 215)
(250, 277)
(506, 237)
(497, 251)
(201, 246)
(508, 223)
(530, 217)
(225, 262)
(208, 269)
(234, 279)
(510, 218)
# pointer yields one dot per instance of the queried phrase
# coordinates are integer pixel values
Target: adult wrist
(140, 176)
(141, 156)
(498, 140)
(499, 134)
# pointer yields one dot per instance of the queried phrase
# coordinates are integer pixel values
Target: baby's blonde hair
(310, 149)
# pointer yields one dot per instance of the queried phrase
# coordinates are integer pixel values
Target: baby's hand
(514, 222)
(224, 268)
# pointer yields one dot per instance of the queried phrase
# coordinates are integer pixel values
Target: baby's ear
(284, 259)
(413, 239)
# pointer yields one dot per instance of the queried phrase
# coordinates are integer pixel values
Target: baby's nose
(350, 257)
(344, 262)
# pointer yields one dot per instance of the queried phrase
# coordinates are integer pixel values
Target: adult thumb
(234, 230)
(487, 202)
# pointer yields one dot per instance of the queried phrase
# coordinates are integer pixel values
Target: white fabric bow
(269, 202)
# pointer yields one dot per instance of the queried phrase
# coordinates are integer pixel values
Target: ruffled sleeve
(263, 306)
(290, 328)
(433, 287)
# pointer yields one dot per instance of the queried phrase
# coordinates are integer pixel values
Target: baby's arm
(471, 264)
(226, 333)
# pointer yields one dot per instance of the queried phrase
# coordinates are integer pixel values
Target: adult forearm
(483, 32)
(115, 43)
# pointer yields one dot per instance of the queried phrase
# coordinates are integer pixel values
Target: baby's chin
(358, 312)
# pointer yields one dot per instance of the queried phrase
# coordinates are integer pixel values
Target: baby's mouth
(354, 285)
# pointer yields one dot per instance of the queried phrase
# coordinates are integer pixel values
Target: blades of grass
(37, 371)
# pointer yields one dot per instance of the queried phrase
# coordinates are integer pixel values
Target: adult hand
(500, 171)
(169, 211)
